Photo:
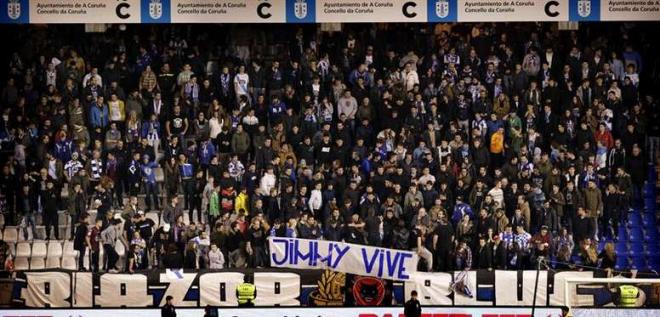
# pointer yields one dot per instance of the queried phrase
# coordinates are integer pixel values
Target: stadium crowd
(475, 145)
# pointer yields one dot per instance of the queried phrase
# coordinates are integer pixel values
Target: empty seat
(39, 249)
(23, 249)
(622, 262)
(68, 250)
(69, 263)
(636, 248)
(53, 263)
(10, 234)
(37, 263)
(21, 264)
(54, 249)
(621, 247)
(638, 262)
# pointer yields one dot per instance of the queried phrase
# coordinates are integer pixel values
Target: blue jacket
(276, 110)
(63, 150)
(98, 117)
(148, 174)
(206, 153)
(147, 128)
(460, 210)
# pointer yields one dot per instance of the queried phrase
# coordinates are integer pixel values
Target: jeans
(28, 220)
(151, 195)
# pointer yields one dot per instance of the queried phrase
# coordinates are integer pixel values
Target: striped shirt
(523, 240)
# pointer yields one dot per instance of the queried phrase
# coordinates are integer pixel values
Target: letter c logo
(406, 11)
(121, 12)
(549, 8)
(261, 12)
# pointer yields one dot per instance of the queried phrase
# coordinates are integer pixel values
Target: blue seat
(634, 221)
(636, 237)
(621, 247)
(637, 248)
(621, 262)
(639, 262)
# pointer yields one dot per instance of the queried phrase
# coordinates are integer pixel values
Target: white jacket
(315, 200)
(266, 184)
(216, 259)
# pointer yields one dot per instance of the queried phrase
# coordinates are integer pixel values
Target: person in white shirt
(410, 77)
(316, 198)
(497, 193)
(241, 81)
(93, 74)
(51, 75)
(267, 182)
(348, 105)
(215, 125)
(216, 258)
(116, 109)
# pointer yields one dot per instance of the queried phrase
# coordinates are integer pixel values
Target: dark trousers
(81, 258)
(94, 261)
(50, 220)
(111, 256)
(119, 193)
(442, 260)
(151, 196)
(189, 196)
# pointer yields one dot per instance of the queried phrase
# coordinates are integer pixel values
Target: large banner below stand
(349, 258)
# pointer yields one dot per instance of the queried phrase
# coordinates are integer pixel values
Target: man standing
(168, 310)
(412, 308)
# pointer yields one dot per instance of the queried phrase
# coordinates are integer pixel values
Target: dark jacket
(168, 311)
(412, 308)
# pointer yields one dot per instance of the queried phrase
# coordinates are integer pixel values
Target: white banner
(342, 257)
(625, 10)
(88, 11)
(512, 10)
(590, 312)
(222, 11)
(298, 312)
(346, 11)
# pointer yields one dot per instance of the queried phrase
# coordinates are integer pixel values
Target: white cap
(166, 227)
